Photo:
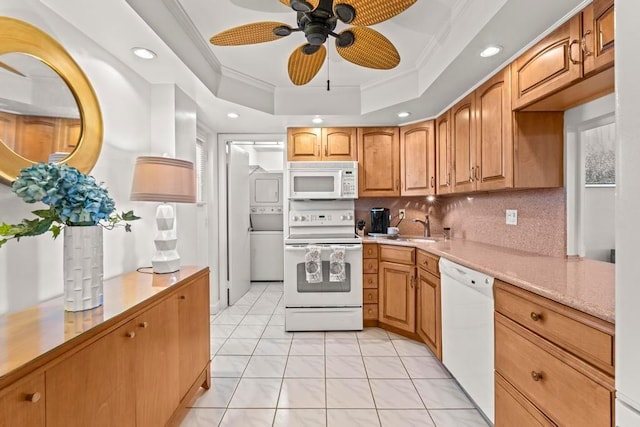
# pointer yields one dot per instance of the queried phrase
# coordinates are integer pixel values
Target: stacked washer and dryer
(266, 235)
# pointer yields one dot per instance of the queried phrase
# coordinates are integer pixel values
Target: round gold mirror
(48, 109)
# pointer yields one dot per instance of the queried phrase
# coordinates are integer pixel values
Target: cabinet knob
(585, 50)
(537, 376)
(183, 297)
(144, 324)
(33, 397)
(573, 61)
(370, 296)
(536, 316)
(370, 311)
(433, 180)
(370, 281)
(131, 334)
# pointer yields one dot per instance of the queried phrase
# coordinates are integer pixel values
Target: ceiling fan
(317, 19)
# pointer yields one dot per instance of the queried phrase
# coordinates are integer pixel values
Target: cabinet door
(7, 129)
(35, 137)
(303, 144)
(378, 162)
(68, 135)
(598, 32)
(418, 159)
(443, 153)
(397, 298)
(157, 394)
(551, 65)
(513, 409)
(339, 144)
(463, 145)
(494, 139)
(193, 310)
(428, 311)
(23, 403)
(96, 386)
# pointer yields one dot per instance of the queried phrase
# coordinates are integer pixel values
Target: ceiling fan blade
(258, 32)
(10, 68)
(369, 12)
(305, 62)
(367, 48)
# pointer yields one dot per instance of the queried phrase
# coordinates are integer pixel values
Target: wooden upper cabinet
(69, 134)
(494, 139)
(551, 65)
(418, 159)
(339, 144)
(379, 162)
(397, 296)
(463, 145)
(7, 129)
(443, 153)
(303, 144)
(598, 36)
(36, 137)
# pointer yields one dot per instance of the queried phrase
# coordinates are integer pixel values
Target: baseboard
(370, 323)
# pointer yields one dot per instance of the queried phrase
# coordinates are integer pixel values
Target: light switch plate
(512, 217)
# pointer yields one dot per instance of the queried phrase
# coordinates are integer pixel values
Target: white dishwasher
(467, 331)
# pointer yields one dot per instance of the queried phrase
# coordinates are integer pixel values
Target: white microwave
(322, 180)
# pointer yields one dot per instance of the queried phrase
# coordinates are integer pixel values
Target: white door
(239, 246)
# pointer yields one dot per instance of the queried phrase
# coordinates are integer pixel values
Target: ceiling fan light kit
(317, 19)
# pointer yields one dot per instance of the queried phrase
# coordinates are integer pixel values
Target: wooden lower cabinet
(23, 404)
(428, 314)
(157, 350)
(193, 323)
(128, 370)
(513, 409)
(397, 296)
(97, 385)
(568, 391)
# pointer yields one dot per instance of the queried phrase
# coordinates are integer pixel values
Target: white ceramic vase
(83, 269)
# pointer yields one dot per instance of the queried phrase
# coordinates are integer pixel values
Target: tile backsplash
(481, 217)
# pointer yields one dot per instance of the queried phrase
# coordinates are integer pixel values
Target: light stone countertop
(583, 284)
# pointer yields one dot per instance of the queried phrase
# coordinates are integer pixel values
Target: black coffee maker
(379, 220)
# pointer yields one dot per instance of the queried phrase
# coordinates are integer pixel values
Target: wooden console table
(138, 360)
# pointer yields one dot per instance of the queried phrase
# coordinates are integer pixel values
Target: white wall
(599, 225)
(627, 203)
(31, 270)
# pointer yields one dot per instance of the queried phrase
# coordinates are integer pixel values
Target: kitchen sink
(417, 239)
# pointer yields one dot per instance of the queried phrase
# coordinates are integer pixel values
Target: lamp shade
(163, 179)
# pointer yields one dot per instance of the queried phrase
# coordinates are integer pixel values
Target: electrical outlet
(512, 217)
(401, 213)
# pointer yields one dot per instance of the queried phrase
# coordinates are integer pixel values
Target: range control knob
(349, 217)
(295, 218)
(342, 217)
(303, 218)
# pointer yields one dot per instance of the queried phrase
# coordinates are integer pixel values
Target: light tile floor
(264, 376)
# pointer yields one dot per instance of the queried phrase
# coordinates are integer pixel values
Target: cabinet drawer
(370, 281)
(370, 296)
(588, 338)
(23, 402)
(370, 250)
(568, 391)
(370, 266)
(370, 311)
(399, 254)
(512, 409)
(428, 262)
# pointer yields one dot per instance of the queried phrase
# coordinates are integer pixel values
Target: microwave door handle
(340, 184)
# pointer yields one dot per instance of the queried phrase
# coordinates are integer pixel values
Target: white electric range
(324, 305)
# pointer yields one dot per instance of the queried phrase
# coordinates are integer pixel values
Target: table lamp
(167, 180)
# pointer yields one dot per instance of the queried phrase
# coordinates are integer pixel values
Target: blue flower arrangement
(74, 199)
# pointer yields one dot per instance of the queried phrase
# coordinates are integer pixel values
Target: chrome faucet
(425, 224)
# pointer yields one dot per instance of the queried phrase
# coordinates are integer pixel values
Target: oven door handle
(304, 247)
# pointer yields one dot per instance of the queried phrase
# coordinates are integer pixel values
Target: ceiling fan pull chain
(328, 71)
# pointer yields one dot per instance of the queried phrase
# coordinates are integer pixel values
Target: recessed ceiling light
(317, 120)
(143, 52)
(233, 115)
(404, 114)
(491, 51)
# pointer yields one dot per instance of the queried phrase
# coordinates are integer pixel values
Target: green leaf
(129, 216)
(2, 242)
(44, 213)
(55, 230)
